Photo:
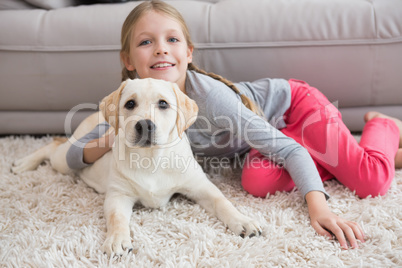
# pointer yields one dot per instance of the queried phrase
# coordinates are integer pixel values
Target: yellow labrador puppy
(149, 118)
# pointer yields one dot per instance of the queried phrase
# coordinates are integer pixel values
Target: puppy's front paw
(245, 227)
(117, 244)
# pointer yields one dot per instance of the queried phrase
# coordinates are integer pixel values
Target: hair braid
(126, 74)
(245, 100)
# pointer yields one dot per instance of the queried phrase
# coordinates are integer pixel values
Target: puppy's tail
(59, 140)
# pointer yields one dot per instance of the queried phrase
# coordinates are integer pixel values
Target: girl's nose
(161, 50)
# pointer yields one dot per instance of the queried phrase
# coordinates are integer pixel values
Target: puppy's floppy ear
(109, 107)
(187, 110)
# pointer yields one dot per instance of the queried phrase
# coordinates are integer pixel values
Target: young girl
(156, 43)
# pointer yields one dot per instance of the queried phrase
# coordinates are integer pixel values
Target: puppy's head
(149, 111)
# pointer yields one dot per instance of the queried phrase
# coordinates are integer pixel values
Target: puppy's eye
(129, 105)
(163, 104)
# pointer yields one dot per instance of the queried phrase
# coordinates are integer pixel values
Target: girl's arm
(90, 147)
(325, 222)
(222, 110)
(96, 148)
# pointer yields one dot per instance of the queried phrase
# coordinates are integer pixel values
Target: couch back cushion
(350, 49)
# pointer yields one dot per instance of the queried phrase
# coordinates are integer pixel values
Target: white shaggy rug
(52, 220)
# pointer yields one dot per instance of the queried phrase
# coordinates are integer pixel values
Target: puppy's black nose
(145, 128)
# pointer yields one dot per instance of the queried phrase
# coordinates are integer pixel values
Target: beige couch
(52, 61)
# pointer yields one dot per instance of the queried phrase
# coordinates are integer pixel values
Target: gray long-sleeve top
(225, 127)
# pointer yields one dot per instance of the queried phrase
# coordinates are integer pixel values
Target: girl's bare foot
(398, 159)
(370, 115)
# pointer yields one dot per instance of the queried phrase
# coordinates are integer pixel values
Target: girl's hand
(109, 139)
(325, 222)
(95, 149)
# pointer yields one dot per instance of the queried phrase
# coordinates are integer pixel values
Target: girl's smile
(162, 65)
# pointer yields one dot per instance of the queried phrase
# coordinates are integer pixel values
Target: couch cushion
(350, 49)
(14, 4)
(51, 4)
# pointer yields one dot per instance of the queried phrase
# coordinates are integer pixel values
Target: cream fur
(126, 182)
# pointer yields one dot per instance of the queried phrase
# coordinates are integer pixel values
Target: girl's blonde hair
(166, 9)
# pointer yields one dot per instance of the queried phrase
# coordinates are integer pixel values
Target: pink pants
(367, 167)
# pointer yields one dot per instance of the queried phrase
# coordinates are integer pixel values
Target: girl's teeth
(162, 65)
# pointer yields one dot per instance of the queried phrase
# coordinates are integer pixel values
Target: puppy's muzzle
(145, 133)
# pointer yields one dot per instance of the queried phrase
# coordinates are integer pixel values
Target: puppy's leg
(212, 200)
(58, 158)
(32, 161)
(118, 210)
(56, 151)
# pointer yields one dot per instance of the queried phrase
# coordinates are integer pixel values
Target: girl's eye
(129, 105)
(173, 40)
(163, 105)
(146, 42)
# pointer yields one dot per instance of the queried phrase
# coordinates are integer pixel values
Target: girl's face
(158, 49)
